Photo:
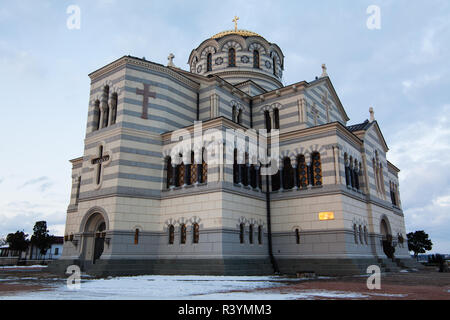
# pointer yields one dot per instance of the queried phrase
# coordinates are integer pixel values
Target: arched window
(256, 59)
(114, 108)
(357, 171)
(239, 116)
(204, 167)
(233, 113)
(276, 115)
(244, 172)
(192, 170)
(196, 234)
(297, 236)
(105, 106)
(171, 234)
(302, 172)
(183, 234)
(231, 57)
(361, 235)
(316, 169)
(274, 62)
(209, 62)
(169, 172)
(276, 181)
(241, 232)
(268, 121)
(180, 173)
(136, 236)
(366, 235)
(250, 234)
(235, 168)
(288, 174)
(97, 115)
(253, 173)
(355, 233)
(347, 170)
(259, 234)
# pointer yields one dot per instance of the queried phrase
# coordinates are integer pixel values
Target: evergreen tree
(18, 241)
(418, 242)
(41, 239)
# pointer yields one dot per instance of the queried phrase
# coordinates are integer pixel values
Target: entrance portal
(386, 239)
(99, 242)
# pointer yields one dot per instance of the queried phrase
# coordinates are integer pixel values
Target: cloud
(420, 82)
(422, 151)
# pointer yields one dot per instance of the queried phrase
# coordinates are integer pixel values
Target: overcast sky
(402, 70)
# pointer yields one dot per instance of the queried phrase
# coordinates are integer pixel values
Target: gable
(321, 95)
(374, 137)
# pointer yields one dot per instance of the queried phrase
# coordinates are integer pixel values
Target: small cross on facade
(99, 161)
(146, 94)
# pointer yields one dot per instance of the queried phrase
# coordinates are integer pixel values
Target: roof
(58, 240)
(360, 126)
(241, 32)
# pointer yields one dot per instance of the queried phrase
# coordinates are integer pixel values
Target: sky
(400, 69)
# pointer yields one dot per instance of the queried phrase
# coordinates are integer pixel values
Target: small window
(183, 234)
(196, 233)
(259, 234)
(171, 234)
(241, 232)
(209, 62)
(274, 66)
(355, 233)
(250, 234)
(136, 236)
(256, 59)
(231, 57)
(361, 235)
(297, 236)
(56, 251)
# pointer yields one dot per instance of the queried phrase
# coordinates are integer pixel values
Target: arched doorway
(386, 238)
(99, 242)
(94, 235)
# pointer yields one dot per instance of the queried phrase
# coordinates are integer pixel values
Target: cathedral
(141, 204)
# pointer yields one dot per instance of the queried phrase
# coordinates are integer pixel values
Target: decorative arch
(235, 42)
(92, 212)
(257, 44)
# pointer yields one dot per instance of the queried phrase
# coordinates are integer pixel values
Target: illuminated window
(196, 233)
(136, 236)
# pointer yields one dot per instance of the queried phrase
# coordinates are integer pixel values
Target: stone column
(173, 183)
(294, 168)
(336, 164)
(281, 169)
(257, 176)
(272, 119)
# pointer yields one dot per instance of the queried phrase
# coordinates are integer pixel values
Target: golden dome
(244, 33)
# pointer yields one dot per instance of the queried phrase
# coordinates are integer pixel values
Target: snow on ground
(152, 287)
(23, 267)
